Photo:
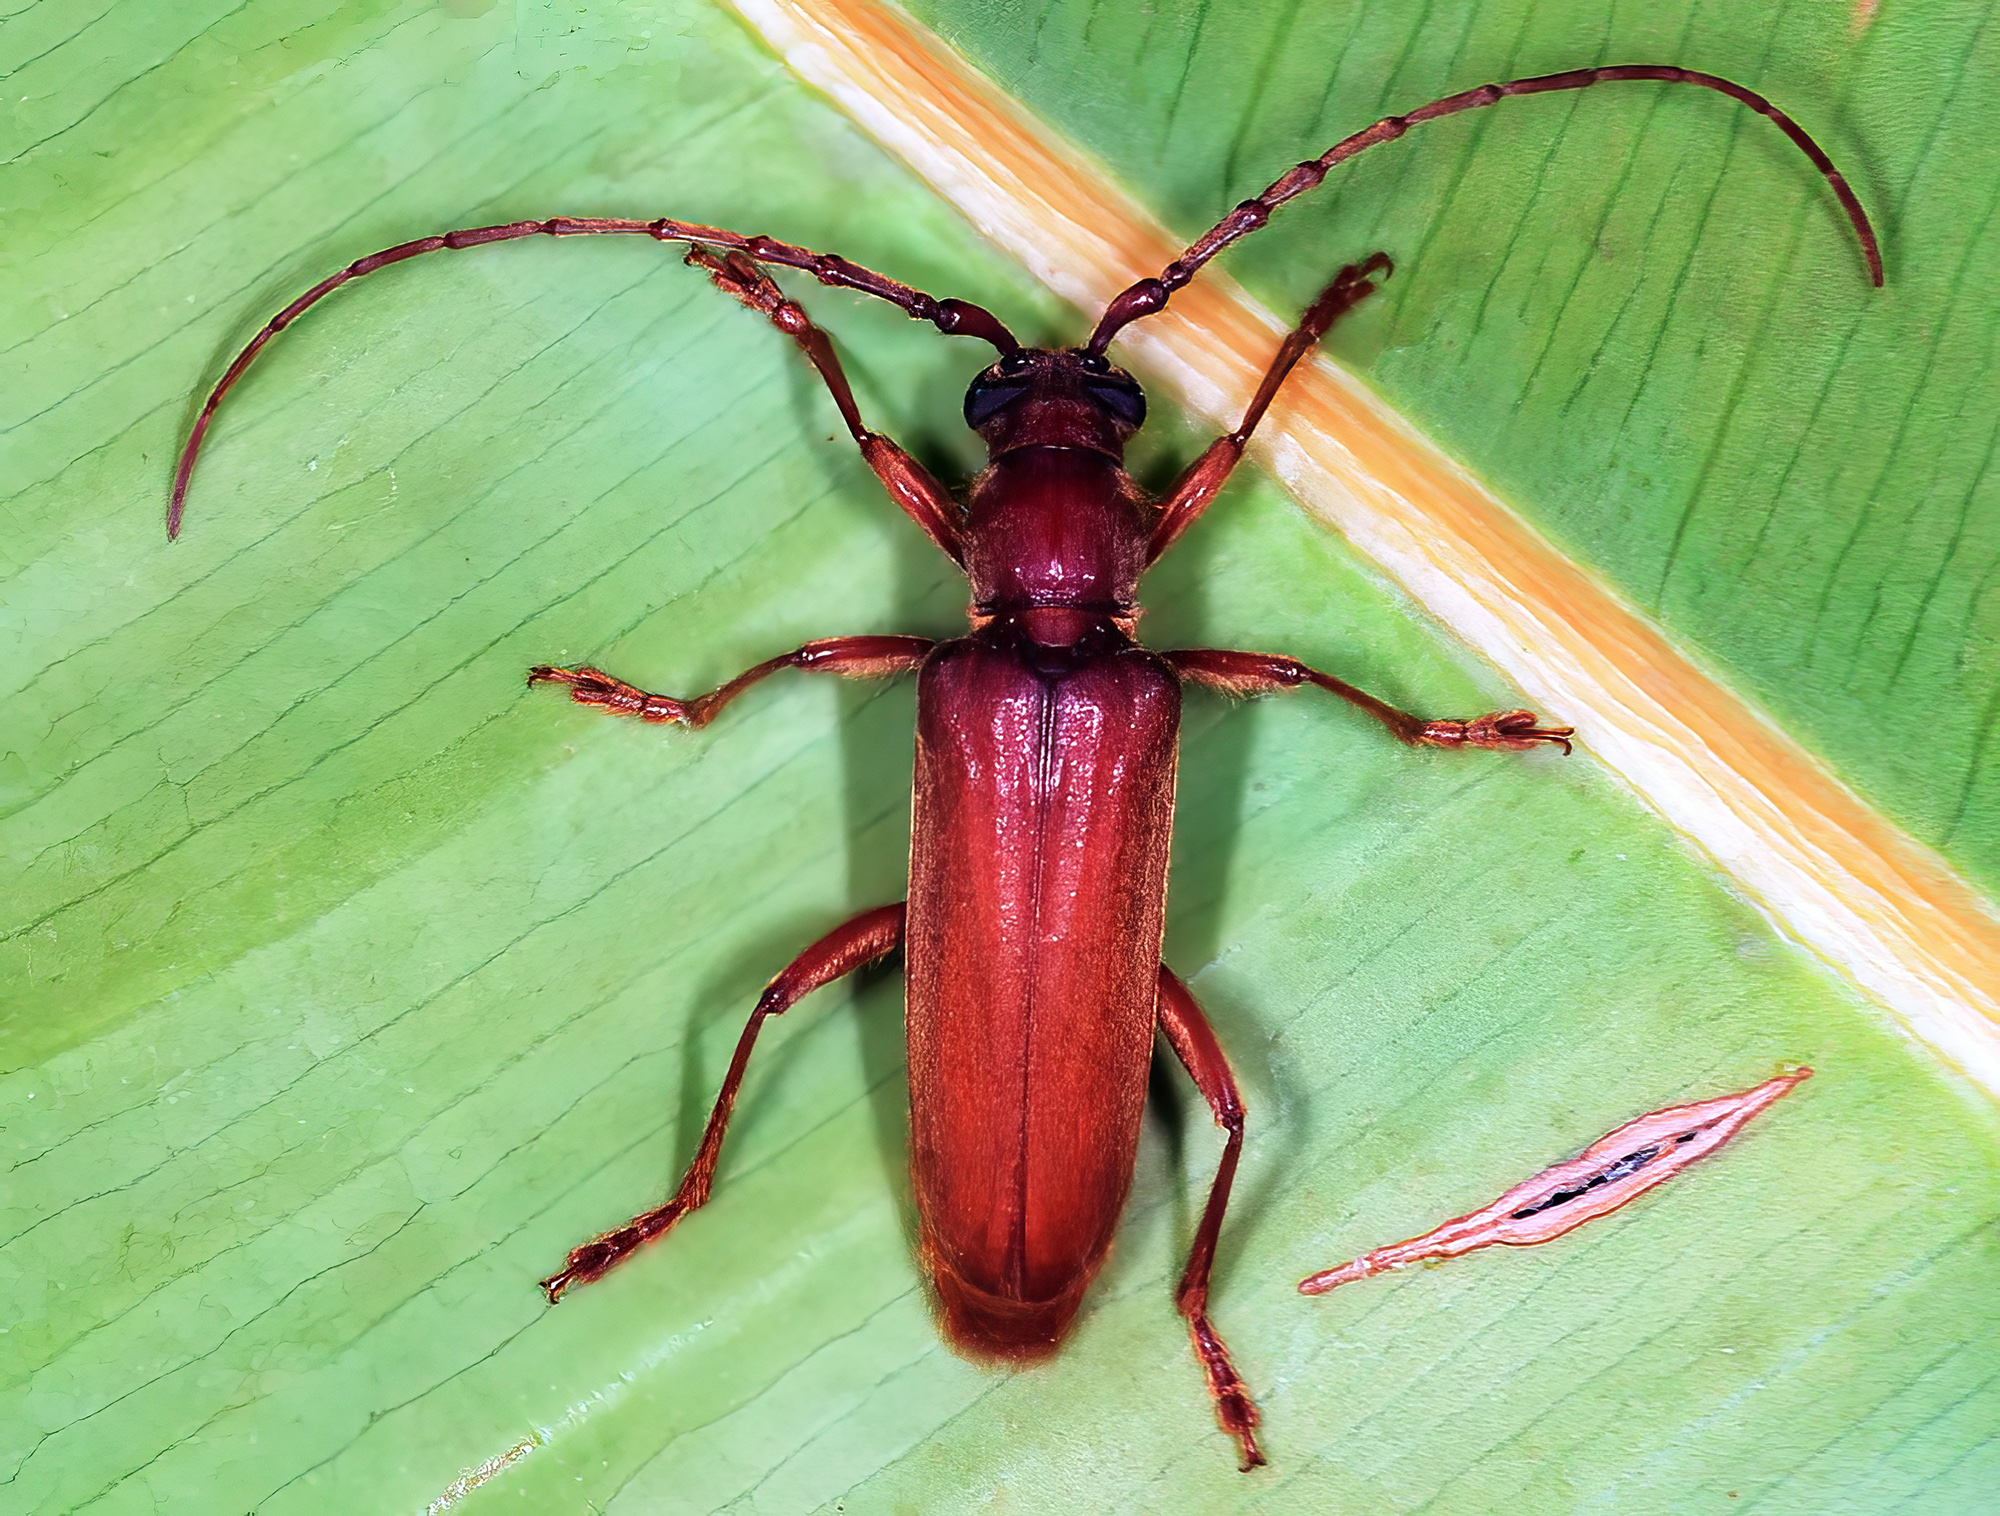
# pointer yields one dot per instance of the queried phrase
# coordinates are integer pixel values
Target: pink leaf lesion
(1616, 1169)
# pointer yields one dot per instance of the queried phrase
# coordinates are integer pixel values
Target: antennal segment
(1150, 296)
(955, 318)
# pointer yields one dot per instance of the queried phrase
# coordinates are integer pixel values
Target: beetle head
(1055, 397)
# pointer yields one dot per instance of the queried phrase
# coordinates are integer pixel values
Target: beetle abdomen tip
(983, 1325)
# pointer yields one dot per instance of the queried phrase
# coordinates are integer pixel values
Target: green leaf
(349, 983)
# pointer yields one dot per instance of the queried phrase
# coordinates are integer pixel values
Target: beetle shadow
(723, 1000)
(878, 731)
(1218, 738)
(876, 723)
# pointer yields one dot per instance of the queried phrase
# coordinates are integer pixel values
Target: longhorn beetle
(1044, 787)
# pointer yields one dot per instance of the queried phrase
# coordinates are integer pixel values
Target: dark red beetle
(1044, 790)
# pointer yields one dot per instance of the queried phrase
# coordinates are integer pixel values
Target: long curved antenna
(955, 318)
(1149, 296)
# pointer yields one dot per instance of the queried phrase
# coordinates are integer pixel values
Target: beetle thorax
(1056, 526)
(1055, 521)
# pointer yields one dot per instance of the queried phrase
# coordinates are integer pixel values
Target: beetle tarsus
(594, 687)
(1252, 1455)
(596, 1258)
(584, 1265)
(1507, 731)
(1235, 1411)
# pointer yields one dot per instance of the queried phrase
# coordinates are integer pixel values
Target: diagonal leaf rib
(1831, 872)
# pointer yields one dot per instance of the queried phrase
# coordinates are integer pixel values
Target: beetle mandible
(1045, 758)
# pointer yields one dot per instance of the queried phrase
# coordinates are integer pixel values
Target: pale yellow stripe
(1885, 912)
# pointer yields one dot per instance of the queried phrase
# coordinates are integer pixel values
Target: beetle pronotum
(1046, 746)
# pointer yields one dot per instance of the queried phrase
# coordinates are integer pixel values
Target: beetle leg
(871, 935)
(851, 657)
(908, 482)
(1193, 1042)
(1205, 477)
(1237, 673)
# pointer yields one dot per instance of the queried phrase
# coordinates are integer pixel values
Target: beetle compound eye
(1121, 399)
(988, 397)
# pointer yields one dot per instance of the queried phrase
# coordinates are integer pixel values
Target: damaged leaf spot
(1615, 1169)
